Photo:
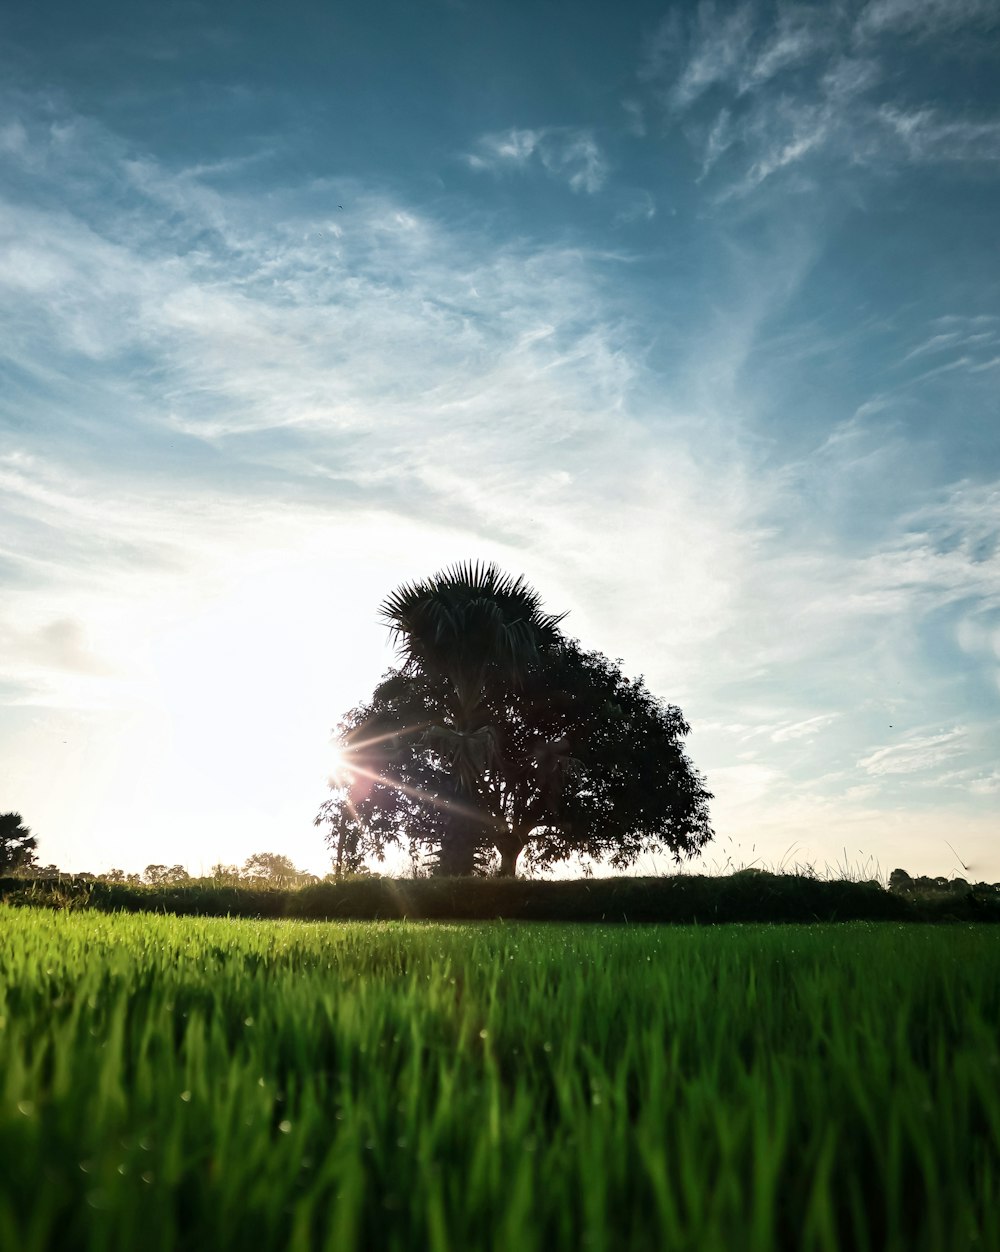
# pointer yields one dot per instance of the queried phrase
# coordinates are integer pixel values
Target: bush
(683, 898)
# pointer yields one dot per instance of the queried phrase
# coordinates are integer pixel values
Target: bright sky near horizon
(690, 313)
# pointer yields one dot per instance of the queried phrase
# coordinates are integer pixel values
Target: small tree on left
(17, 845)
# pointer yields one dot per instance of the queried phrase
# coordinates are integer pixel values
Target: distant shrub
(756, 896)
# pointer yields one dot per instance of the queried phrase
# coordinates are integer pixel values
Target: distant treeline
(263, 869)
(746, 896)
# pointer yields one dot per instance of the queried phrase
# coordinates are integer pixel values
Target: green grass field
(187, 1083)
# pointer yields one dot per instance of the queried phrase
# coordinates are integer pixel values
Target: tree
(17, 845)
(562, 755)
(121, 878)
(223, 873)
(472, 633)
(275, 869)
(343, 838)
(165, 875)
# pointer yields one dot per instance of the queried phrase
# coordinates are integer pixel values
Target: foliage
(223, 873)
(275, 869)
(470, 634)
(165, 875)
(134, 880)
(576, 759)
(17, 845)
(940, 888)
(747, 896)
(184, 1083)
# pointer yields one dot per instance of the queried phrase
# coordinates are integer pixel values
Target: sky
(689, 313)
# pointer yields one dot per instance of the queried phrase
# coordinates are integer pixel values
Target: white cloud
(795, 39)
(781, 136)
(280, 409)
(926, 136)
(569, 154)
(987, 785)
(849, 77)
(720, 138)
(770, 116)
(639, 206)
(727, 50)
(719, 51)
(921, 754)
(923, 17)
(803, 729)
(515, 147)
(239, 438)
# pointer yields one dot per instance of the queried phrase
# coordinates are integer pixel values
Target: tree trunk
(510, 845)
(508, 862)
(457, 853)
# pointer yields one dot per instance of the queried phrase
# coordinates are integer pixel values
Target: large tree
(545, 748)
(471, 633)
(17, 845)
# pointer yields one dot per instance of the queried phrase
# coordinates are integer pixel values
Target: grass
(198, 1083)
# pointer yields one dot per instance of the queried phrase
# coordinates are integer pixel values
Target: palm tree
(477, 631)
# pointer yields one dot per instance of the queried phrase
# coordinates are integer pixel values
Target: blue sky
(689, 313)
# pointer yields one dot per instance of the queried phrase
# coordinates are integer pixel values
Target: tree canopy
(165, 875)
(273, 868)
(17, 845)
(497, 736)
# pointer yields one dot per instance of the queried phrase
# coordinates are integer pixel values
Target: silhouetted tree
(121, 877)
(17, 845)
(343, 838)
(225, 873)
(165, 875)
(562, 754)
(471, 632)
(276, 869)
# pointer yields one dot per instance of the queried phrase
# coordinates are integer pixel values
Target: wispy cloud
(798, 730)
(234, 419)
(924, 17)
(638, 206)
(569, 154)
(718, 55)
(758, 98)
(927, 136)
(967, 345)
(921, 754)
(797, 37)
(361, 358)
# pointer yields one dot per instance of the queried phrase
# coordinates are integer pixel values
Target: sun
(340, 773)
